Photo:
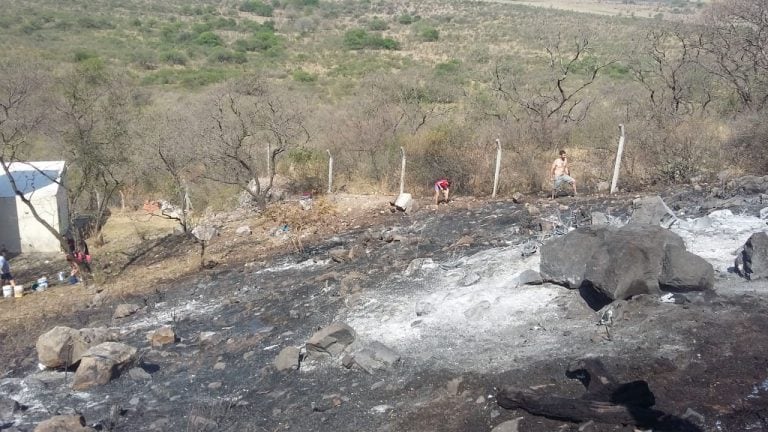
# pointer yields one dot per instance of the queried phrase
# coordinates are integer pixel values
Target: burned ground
(482, 332)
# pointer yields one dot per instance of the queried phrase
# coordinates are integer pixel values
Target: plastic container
(61, 276)
(7, 291)
(18, 291)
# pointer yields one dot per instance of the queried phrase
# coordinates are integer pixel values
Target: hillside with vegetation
(149, 99)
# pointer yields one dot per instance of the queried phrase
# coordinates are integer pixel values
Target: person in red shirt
(443, 185)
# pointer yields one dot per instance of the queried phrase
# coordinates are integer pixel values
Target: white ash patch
(717, 236)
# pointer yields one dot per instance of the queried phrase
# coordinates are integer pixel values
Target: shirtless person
(561, 173)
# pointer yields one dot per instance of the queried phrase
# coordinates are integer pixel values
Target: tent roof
(38, 178)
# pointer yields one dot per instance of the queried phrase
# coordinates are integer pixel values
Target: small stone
(139, 374)
(215, 385)
(508, 426)
(163, 336)
(248, 355)
(134, 401)
(124, 310)
(220, 366)
(288, 359)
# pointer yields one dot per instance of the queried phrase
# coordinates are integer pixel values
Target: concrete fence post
(402, 170)
(330, 172)
(498, 168)
(616, 166)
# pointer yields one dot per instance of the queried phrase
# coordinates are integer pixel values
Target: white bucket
(18, 291)
(7, 291)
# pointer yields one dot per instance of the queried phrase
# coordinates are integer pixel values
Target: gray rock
(125, 309)
(288, 359)
(101, 363)
(424, 308)
(477, 311)
(764, 213)
(339, 254)
(243, 231)
(8, 407)
(608, 263)
(599, 218)
(603, 187)
(204, 233)
(139, 374)
(529, 277)
(470, 278)
(652, 211)
(64, 346)
(752, 261)
(517, 197)
(331, 340)
(201, 424)
(683, 271)
(508, 426)
(419, 266)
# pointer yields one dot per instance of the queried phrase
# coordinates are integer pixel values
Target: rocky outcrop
(332, 339)
(752, 261)
(102, 363)
(64, 346)
(607, 263)
(652, 211)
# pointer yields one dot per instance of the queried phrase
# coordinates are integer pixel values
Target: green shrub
(450, 67)
(263, 41)
(144, 58)
(301, 75)
(202, 27)
(81, 55)
(223, 55)
(208, 38)
(94, 23)
(257, 7)
(378, 24)
(407, 19)
(174, 57)
(357, 39)
(428, 34)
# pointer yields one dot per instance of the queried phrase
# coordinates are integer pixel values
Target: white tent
(40, 182)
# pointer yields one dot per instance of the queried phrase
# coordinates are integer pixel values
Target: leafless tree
(249, 126)
(735, 35)
(168, 150)
(557, 99)
(667, 67)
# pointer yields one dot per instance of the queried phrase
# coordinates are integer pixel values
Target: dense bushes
(357, 39)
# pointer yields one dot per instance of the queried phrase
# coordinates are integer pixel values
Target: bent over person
(444, 186)
(561, 173)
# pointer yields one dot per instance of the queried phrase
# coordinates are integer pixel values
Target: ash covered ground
(443, 290)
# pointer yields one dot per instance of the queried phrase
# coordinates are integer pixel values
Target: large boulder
(64, 346)
(332, 339)
(102, 363)
(652, 210)
(607, 263)
(752, 262)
